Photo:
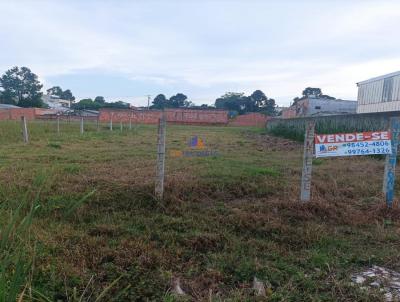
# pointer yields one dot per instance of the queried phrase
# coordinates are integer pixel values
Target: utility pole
(148, 101)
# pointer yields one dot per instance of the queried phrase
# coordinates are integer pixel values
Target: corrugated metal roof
(380, 77)
(8, 106)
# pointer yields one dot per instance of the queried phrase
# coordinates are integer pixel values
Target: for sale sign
(348, 144)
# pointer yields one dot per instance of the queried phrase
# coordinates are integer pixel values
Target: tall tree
(259, 98)
(55, 90)
(269, 107)
(22, 87)
(100, 100)
(232, 101)
(86, 104)
(178, 100)
(256, 102)
(67, 95)
(315, 92)
(262, 103)
(310, 91)
(160, 102)
(117, 104)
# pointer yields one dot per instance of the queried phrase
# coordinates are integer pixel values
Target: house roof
(380, 77)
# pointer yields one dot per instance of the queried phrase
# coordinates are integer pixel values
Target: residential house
(55, 102)
(319, 106)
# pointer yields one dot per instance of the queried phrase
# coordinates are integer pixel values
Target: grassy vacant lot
(79, 221)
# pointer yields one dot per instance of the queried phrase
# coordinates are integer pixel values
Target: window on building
(387, 90)
(318, 107)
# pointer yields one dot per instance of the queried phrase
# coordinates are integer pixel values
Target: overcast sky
(128, 49)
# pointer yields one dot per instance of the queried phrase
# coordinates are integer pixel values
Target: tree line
(21, 87)
(231, 101)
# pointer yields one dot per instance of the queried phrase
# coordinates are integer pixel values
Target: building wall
(16, 113)
(328, 107)
(42, 111)
(56, 103)
(289, 112)
(29, 113)
(371, 95)
(250, 120)
(319, 106)
(179, 116)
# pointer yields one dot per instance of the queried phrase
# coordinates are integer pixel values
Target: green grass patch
(224, 220)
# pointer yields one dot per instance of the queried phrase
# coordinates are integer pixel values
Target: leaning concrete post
(24, 130)
(159, 189)
(82, 125)
(305, 194)
(390, 162)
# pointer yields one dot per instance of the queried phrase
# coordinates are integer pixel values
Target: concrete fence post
(305, 194)
(24, 130)
(111, 122)
(159, 186)
(82, 129)
(58, 125)
(130, 123)
(389, 176)
(97, 124)
(120, 125)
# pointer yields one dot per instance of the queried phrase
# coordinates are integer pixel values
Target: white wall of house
(56, 103)
(379, 94)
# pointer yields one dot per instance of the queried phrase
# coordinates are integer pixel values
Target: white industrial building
(379, 94)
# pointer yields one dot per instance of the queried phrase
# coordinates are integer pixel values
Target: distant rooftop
(8, 106)
(328, 99)
(393, 74)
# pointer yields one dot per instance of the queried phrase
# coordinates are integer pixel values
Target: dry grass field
(80, 223)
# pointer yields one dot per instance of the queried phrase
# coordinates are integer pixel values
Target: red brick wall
(179, 116)
(289, 113)
(16, 113)
(4, 115)
(42, 111)
(250, 120)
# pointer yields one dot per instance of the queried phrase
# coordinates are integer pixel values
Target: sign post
(390, 162)
(159, 188)
(365, 143)
(305, 194)
(352, 144)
